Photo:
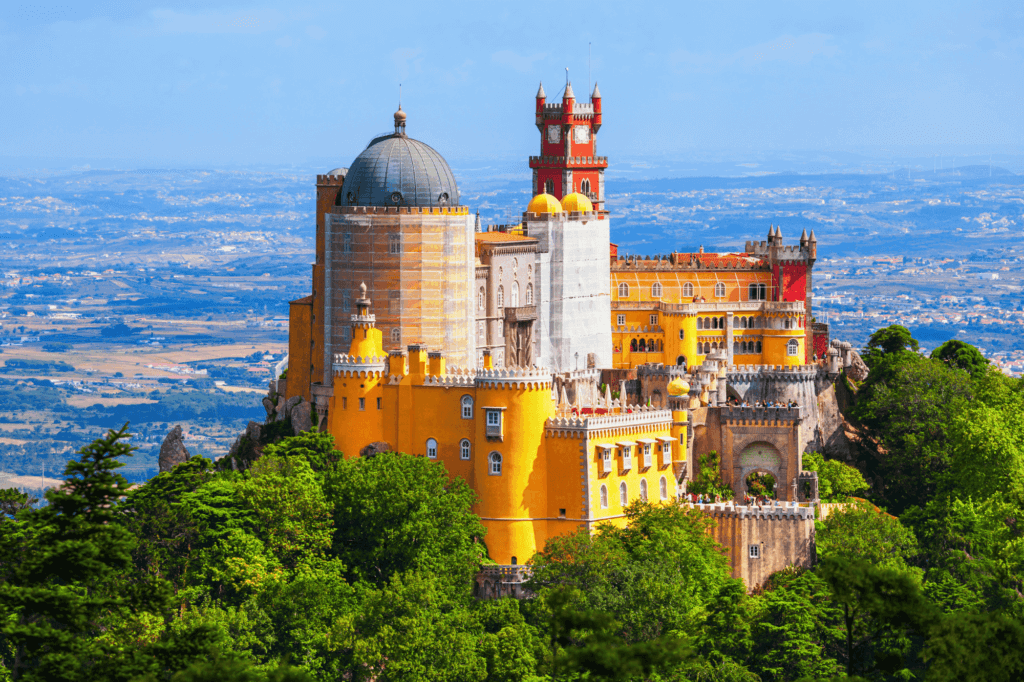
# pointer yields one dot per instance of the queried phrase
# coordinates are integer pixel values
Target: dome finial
(400, 120)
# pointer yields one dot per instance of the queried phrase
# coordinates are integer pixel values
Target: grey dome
(396, 170)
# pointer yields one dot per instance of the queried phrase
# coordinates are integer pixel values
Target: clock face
(581, 134)
(554, 134)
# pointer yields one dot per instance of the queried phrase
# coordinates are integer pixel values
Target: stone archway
(760, 457)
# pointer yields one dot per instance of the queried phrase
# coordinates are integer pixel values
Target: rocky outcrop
(301, 417)
(832, 439)
(858, 371)
(376, 448)
(172, 450)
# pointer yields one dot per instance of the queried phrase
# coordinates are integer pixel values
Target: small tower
(568, 161)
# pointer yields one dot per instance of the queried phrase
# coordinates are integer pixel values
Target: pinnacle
(540, 92)
(596, 94)
(803, 236)
(568, 92)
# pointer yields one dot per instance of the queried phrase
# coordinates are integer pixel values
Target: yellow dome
(544, 203)
(577, 203)
(678, 387)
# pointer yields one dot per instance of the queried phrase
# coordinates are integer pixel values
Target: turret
(595, 99)
(803, 239)
(539, 114)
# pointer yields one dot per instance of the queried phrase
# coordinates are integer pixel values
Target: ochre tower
(568, 160)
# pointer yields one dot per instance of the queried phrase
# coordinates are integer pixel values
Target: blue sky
(197, 84)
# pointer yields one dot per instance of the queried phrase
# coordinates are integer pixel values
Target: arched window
(721, 323)
(396, 335)
(714, 346)
(623, 495)
(650, 346)
(663, 488)
(431, 448)
(758, 349)
(687, 290)
(495, 459)
(549, 186)
(604, 497)
(529, 294)
(585, 186)
(515, 294)
(643, 489)
(480, 299)
(467, 407)
(793, 348)
(464, 449)
(720, 290)
(707, 347)
(501, 297)
(642, 346)
(623, 290)
(736, 348)
(656, 290)
(632, 346)
(714, 323)
(700, 323)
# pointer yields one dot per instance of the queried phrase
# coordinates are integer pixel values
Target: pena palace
(561, 380)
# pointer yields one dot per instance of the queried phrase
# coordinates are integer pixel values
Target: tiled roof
(501, 237)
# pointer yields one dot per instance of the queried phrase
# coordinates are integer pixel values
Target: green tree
(863, 533)
(891, 340)
(837, 481)
(708, 478)
(976, 647)
(960, 355)
(395, 513)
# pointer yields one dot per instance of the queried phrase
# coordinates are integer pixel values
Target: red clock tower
(568, 145)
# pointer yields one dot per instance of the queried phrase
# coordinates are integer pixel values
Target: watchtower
(568, 160)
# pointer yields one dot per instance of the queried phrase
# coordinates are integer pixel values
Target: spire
(813, 239)
(778, 234)
(568, 92)
(771, 233)
(803, 237)
(477, 226)
(596, 94)
(540, 92)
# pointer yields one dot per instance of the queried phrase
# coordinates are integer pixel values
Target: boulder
(858, 371)
(284, 408)
(376, 448)
(172, 450)
(302, 417)
(271, 409)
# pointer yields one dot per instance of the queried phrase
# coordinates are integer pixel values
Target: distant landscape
(160, 297)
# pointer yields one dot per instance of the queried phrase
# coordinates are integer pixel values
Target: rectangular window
(606, 461)
(346, 300)
(347, 243)
(627, 457)
(647, 455)
(561, 513)
(654, 320)
(380, 402)
(681, 334)
(344, 403)
(622, 320)
(755, 551)
(666, 453)
(362, 403)
(494, 424)
(394, 244)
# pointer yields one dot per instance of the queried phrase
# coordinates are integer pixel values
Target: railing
(526, 313)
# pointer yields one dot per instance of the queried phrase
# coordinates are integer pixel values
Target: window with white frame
(394, 244)
(623, 290)
(623, 494)
(643, 489)
(793, 347)
(464, 449)
(480, 299)
(755, 551)
(493, 423)
(529, 294)
(663, 488)
(431, 448)
(666, 452)
(621, 320)
(627, 457)
(501, 297)
(720, 290)
(656, 290)
(647, 455)
(606, 460)
(688, 290)
(467, 407)
(396, 335)
(495, 461)
(515, 294)
(654, 320)
(604, 497)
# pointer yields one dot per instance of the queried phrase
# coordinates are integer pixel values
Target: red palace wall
(794, 283)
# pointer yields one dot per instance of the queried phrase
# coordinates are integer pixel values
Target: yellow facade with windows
(538, 467)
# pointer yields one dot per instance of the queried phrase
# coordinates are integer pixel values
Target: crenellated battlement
(560, 161)
(658, 371)
(777, 511)
(343, 362)
(771, 415)
(690, 262)
(641, 418)
(331, 180)
(793, 373)
(404, 210)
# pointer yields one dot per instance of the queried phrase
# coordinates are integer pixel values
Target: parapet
(641, 416)
(787, 373)
(734, 413)
(575, 216)
(778, 510)
(658, 371)
(403, 210)
(509, 377)
(345, 364)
